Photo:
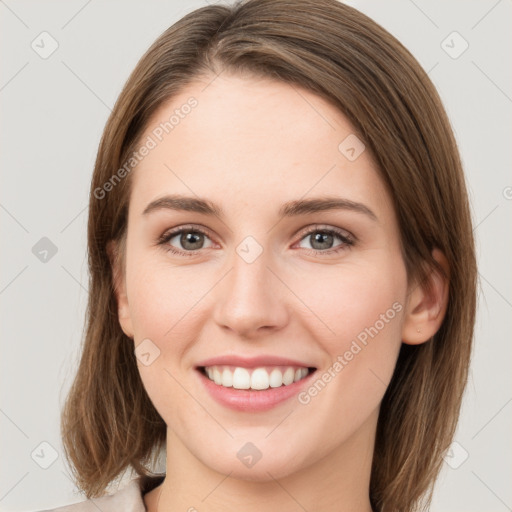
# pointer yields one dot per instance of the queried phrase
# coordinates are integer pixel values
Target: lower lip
(252, 400)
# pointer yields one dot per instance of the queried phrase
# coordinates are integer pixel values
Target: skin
(250, 145)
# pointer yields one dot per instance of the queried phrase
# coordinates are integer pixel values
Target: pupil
(327, 238)
(188, 239)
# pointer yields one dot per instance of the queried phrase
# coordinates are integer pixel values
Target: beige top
(127, 499)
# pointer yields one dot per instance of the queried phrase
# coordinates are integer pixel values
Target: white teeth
(257, 379)
(241, 379)
(276, 378)
(288, 376)
(227, 378)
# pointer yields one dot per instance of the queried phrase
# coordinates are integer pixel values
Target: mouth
(255, 379)
(253, 385)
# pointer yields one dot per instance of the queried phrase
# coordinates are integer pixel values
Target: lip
(252, 362)
(244, 400)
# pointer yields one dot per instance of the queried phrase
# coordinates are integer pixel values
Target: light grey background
(52, 114)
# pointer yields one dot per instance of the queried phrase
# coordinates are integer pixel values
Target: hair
(108, 422)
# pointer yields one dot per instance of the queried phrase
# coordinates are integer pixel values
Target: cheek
(349, 301)
(164, 303)
(162, 299)
(363, 310)
(161, 319)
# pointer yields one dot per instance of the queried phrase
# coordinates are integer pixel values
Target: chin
(262, 471)
(258, 461)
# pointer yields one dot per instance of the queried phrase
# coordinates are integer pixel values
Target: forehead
(253, 143)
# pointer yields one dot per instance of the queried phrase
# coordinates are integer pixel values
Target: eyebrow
(289, 209)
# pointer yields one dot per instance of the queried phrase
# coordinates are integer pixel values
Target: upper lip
(252, 362)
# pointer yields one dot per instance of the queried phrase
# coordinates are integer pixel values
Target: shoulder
(127, 499)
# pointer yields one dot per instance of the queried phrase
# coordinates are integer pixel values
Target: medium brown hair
(109, 423)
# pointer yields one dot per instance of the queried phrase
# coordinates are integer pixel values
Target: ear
(426, 306)
(119, 283)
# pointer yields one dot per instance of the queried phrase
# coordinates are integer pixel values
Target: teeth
(227, 378)
(276, 379)
(241, 379)
(288, 376)
(260, 379)
(257, 378)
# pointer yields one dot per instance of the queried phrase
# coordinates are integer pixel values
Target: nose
(251, 299)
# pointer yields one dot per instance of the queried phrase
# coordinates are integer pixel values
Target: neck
(338, 482)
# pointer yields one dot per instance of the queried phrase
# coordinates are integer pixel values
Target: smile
(257, 379)
(253, 384)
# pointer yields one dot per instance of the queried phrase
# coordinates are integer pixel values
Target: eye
(321, 240)
(191, 239)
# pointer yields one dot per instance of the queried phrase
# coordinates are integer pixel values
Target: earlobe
(427, 304)
(119, 286)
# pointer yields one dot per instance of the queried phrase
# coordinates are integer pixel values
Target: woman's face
(277, 282)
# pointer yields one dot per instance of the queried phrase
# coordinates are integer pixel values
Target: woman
(283, 276)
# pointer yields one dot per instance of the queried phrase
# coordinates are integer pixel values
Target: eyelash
(348, 241)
